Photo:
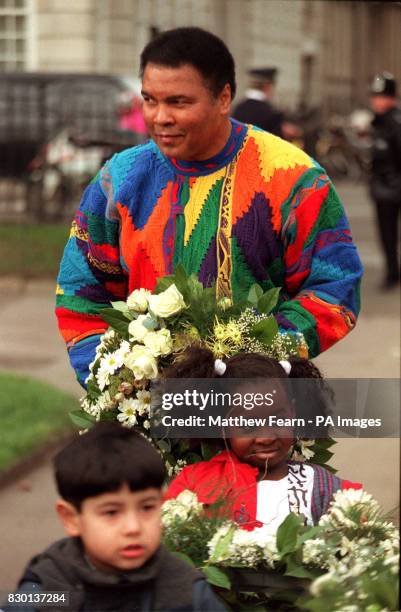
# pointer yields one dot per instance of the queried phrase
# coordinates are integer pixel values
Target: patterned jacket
(261, 211)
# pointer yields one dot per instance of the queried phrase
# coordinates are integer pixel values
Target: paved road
(30, 344)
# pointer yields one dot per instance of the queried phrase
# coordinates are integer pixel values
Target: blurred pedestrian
(258, 109)
(130, 110)
(385, 184)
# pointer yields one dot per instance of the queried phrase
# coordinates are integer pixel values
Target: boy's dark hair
(199, 48)
(103, 460)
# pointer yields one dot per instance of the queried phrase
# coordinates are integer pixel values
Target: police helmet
(383, 84)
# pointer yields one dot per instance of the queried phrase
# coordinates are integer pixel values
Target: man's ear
(69, 516)
(225, 99)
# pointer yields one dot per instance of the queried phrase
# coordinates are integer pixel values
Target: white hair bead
(286, 366)
(220, 367)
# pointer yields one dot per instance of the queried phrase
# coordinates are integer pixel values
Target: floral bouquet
(148, 332)
(348, 562)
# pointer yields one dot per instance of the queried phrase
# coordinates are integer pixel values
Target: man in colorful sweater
(232, 203)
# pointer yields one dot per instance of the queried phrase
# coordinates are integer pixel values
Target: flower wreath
(149, 331)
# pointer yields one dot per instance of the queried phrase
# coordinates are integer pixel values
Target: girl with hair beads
(254, 476)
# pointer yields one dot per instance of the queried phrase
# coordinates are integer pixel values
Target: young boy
(110, 482)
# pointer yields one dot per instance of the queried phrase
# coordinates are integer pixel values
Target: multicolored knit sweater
(260, 211)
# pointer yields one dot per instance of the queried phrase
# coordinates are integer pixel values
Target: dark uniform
(261, 112)
(386, 181)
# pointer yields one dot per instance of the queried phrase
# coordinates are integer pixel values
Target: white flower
(307, 452)
(189, 499)
(138, 300)
(167, 303)
(110, 334)
(159, 342)
(127, 414)
(139, 328)
(320, 584)
(111, 362)
(316, 552)
(141, 361)
(182, 507)
(92, 409)
(122, 351)
(143, 399)
(102, 378)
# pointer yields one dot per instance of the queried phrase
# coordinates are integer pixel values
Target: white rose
(188, 498)
(159, 342)
(139, 328)
(167, 303)
(141, 361)
(138, 300)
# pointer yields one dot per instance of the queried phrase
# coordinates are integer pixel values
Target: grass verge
(31, 250)
(31, 414)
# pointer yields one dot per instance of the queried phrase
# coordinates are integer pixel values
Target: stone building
(326, 50)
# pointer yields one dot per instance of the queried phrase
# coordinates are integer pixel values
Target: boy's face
(120, 530)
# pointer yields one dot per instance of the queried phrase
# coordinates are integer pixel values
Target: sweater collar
(208, 166)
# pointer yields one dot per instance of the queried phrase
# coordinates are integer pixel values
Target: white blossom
(128, 412)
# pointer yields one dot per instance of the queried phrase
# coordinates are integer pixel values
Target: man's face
(182, 115)
(120, 530)
(381, 104)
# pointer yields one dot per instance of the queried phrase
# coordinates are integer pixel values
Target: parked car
(36, 108)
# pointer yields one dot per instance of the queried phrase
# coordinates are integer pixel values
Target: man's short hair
(199, 48)
(103, 460)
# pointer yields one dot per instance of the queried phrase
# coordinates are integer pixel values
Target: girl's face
(267, 447)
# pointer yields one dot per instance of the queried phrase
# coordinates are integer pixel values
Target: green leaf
(82, 418)
(223, 544)
(255, 293)
(163, 284)
(207, 452)
(298, 571)
(184, 557)
(269, 300)
(325, 443)
(181, 281)
(121, 307)
(265, 330)
(164, 445)
(116, 320)
(92, 389)
(216, 576)
(195, 288)
(321, 456)
(287, 534)
(309, 533)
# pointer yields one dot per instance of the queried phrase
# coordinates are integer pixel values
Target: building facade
(326, 50)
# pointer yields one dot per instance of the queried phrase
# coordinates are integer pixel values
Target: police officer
(257, 107)
(385, 184)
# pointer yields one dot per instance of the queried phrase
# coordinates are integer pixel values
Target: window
(15, 34)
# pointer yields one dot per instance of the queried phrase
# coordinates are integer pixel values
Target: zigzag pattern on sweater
(145, 213)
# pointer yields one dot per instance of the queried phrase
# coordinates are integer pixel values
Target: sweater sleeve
(322, 266)
(90, 275)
